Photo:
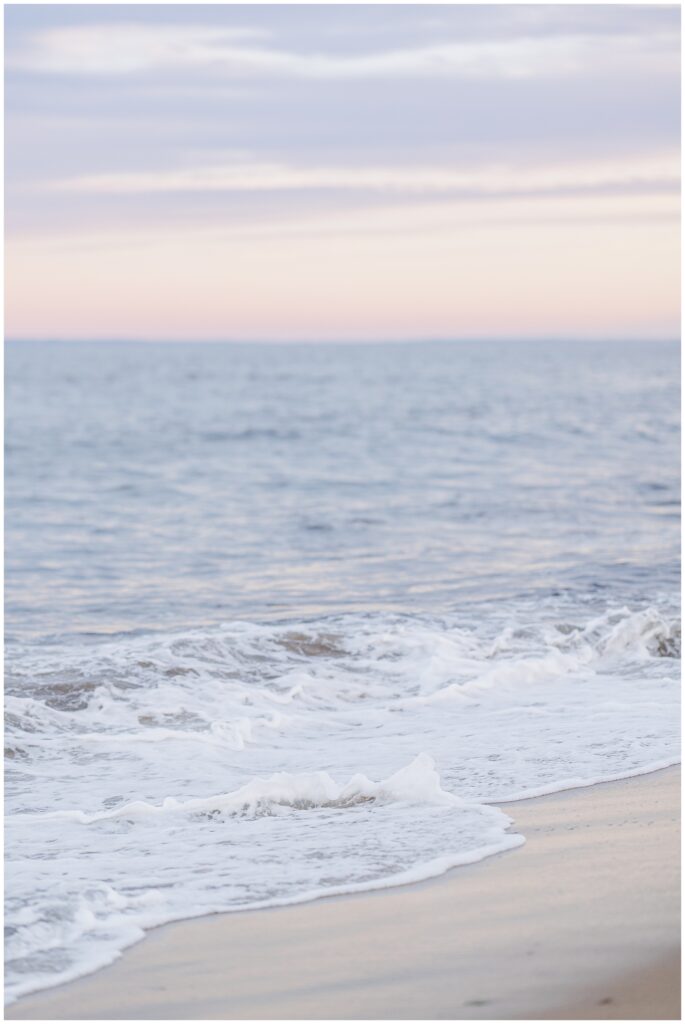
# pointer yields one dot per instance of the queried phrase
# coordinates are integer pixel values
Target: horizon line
(415, 340)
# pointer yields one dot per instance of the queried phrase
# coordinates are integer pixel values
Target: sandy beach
(582, 922)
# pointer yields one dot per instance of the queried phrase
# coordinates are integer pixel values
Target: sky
(342, 171)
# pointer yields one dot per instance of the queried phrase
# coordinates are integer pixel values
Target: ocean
(293, 620)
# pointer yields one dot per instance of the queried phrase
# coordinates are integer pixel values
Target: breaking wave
(417, 783)
(253, 765)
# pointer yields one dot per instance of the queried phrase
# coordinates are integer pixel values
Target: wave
(417, 783)
(306, 736)
(279, 665)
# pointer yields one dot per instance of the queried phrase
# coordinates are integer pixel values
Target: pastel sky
(342, 171)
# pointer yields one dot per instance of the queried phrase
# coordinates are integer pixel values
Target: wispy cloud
(442, 221)
(122, 49)
(638, 173)
(125, 49)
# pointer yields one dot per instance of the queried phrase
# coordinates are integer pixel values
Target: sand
(583, 922)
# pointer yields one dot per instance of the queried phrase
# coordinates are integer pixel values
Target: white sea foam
(416, 783)
(155, 777)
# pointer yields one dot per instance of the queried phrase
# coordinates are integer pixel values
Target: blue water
(155, 485)
(286, 621)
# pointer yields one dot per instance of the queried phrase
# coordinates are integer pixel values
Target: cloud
(124, 49)
(636, 174)
(237, 53)
(445, 220)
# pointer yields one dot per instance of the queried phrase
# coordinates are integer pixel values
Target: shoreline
(580, 922)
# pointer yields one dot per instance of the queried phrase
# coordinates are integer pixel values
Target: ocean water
(294, 620)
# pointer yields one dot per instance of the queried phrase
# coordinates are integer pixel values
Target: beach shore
(582, 922)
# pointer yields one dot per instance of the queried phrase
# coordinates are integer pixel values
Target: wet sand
(582, 922)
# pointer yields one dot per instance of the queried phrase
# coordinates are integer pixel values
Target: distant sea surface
(288, 620)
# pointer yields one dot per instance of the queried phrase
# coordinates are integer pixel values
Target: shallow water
(286, 620)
